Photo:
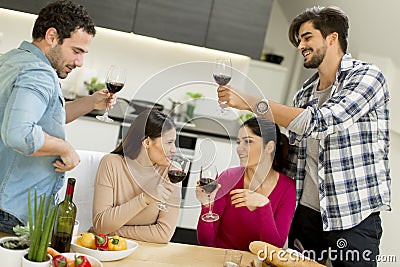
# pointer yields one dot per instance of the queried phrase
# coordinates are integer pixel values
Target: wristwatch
(262, 106)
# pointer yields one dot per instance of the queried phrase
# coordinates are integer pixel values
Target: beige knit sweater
(119, 206)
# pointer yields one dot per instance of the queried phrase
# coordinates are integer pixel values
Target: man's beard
(316, 60)
(54, 57)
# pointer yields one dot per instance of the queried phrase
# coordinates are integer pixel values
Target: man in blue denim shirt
(339, 131)
(33, 113)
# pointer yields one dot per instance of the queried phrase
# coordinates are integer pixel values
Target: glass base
(210, 217)
(104, 118)
(223, 109)
(162, 206)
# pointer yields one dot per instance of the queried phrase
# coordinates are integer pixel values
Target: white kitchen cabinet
(271, 79)
(88, 133)
(209, 150)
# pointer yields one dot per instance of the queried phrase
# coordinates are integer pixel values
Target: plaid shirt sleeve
(362, 91)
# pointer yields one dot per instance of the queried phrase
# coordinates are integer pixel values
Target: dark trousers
(355, 247)
(7, 222)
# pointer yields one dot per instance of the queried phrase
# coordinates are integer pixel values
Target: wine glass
(177, 171)
(115, 80)
(222, 75)
(208, 182)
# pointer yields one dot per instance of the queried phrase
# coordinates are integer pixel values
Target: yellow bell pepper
(117, 243)
(86, 240)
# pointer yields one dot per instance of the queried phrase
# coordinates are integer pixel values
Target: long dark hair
(270, 131)
(149, 123)
(326, 20)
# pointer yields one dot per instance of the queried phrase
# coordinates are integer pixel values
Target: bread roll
(280, 257)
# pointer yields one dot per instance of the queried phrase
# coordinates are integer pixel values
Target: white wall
(373, 37)
(391, 220)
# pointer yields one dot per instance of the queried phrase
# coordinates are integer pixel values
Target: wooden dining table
(174, 255)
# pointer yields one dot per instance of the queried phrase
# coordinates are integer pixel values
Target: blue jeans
(7, 222)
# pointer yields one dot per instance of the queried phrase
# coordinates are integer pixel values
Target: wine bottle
(65, 220)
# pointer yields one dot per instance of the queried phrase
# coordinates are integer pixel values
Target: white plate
(93, 261)
(105, 255)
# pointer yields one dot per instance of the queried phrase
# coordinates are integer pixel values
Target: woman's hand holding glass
(203, 196)
(208, 184)
(177, 171)
(161, 193)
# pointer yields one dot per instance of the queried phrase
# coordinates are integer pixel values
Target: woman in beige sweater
(128, 183)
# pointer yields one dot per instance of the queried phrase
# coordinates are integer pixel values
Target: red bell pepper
(59, 261)
(101, 242)
(82, 261)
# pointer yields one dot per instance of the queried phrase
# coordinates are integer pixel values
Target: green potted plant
(94, 85)
(19, 241)
(244, 117)
(12, 248)
(191, 104)
(41, 222)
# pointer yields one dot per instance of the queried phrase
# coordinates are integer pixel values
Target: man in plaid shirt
(339, 129)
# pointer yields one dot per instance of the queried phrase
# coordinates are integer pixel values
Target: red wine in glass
(114, 87)
(115, 80)
(208, 184)
(222, 79)
(176, 176)
(222, 75)
(177, 171)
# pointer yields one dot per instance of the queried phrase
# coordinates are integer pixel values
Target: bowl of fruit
(72, 259)
(103, 247)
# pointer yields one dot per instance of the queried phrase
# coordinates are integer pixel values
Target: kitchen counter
(201, 124)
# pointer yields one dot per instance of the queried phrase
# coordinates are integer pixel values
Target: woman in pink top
(253, 201)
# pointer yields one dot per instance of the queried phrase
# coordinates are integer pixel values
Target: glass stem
(209, 205)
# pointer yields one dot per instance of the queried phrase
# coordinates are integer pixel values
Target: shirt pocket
(59, 110)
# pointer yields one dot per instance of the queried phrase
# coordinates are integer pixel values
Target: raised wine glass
(208, 182)
(222, 75)
(177, 171)
(115, 80)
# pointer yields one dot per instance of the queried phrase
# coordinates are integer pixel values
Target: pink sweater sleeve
(207, 231)
(275, 227)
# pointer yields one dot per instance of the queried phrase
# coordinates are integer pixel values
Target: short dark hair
(326, 20)
(149, 123)
(65, 17)
(269, 131)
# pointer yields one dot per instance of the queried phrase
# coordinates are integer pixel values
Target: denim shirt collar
(34, 50)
